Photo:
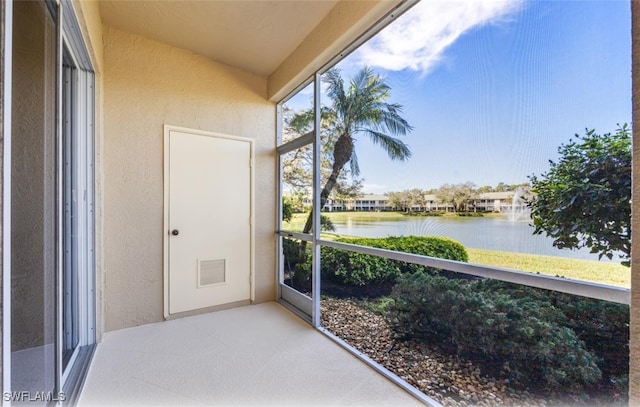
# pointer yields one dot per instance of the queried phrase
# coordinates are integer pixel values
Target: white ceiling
(254, 35)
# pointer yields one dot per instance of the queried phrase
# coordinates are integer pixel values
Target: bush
(357, 269)
(523, 338)
(603, 326)
(297, 263)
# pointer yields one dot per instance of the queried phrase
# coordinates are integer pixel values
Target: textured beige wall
(148, 84)
(88, 14)
(634, 345)
(344, 24)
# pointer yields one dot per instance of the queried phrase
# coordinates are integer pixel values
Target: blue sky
(493, 87)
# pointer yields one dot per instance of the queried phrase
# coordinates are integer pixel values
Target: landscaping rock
(449, 380)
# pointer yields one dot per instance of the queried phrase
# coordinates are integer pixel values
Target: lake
(490, 233)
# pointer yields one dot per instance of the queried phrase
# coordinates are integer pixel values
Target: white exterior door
(208, 219)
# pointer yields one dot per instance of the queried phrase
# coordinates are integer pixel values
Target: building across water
(497, 202)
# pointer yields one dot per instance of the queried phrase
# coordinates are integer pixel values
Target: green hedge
(357, 269)
(527, 339)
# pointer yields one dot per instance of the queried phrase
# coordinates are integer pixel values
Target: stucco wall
(148, 84)
(88, 15)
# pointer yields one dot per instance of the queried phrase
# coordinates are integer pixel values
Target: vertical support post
(59, 246)
(317, 204)
(279, 260)
(6, 51)
(634, 327)
(91, 198)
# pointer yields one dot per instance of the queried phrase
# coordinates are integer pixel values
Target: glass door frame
(308, 309)
(6, 25)
(71, 55)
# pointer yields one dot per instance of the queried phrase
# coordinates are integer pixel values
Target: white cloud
(418, 39)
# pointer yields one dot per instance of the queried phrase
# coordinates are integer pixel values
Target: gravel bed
(451, 381)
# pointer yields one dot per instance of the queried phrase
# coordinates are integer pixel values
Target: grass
(586, 270)
(297, 222)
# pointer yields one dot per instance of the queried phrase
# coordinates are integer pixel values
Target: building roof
(373, 197)
(496, 195)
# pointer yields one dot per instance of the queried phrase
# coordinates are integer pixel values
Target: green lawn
(586, 270)
(297, 222)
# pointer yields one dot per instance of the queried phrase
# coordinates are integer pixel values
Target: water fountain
(519, 210)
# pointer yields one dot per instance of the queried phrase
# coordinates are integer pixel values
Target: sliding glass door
(77, 209)
(70, 328)
(52, 303)
(33, 199)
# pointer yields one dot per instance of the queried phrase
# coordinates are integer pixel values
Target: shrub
(523, 338)
(357, 269)
(440, 247)
(297, 264)
(603, 326)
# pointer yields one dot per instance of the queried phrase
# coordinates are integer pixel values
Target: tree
(398, 200)
(287, 210)
(297, 165)
(458, 195)
(502, 187)
(416, 198)
(345, 191)
(359, 109)
(407, 199)
(584, 200)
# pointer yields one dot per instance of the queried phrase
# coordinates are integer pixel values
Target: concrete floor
(258, 355)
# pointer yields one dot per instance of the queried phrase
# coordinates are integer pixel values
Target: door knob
(175, 232)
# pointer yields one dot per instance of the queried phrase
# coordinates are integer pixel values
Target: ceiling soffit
(256, 36)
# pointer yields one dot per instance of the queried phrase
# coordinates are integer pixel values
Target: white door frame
(166, 226)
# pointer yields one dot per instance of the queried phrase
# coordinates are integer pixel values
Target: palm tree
(360, 109)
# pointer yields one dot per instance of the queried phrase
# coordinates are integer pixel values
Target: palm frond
(395, 148)
(335, 91)
(393, 122)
